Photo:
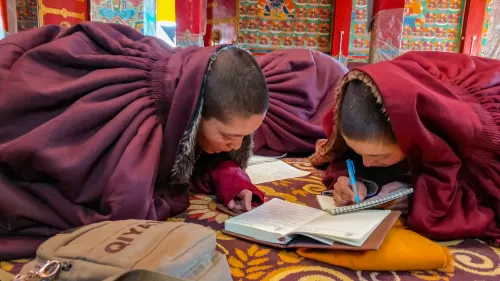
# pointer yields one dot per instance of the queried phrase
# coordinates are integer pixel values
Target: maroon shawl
(301, 87)
(445, 111)
(97, 122)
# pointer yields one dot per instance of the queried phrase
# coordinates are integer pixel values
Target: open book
(278, 222)
(327, 204)
(267, 169)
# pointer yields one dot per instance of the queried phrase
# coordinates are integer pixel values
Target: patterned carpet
(474, 260)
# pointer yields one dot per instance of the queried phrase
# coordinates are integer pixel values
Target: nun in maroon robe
(98, 122)
(301, 86)
(444, 109)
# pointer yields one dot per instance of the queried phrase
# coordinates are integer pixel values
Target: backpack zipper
(50, 269)
(44, 271)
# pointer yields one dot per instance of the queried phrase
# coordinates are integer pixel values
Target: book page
(265, 169)
(277, 216)
(352, 226)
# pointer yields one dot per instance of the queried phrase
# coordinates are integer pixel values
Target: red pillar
(341, 27)
(189, 16)
(472, 28)
(3, 10)
(207, 38)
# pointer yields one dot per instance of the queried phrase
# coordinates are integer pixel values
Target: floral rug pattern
(474, 260)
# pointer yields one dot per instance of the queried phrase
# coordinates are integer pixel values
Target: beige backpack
(124, 250)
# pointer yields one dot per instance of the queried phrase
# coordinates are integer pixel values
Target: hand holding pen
(343, 193)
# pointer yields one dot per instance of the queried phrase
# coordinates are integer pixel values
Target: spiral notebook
(327, 204)
(267, 169)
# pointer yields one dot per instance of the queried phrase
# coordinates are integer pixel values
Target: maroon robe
(98, 122)
(444, 109)
(301, 91)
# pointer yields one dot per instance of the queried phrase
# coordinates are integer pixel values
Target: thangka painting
(27, 14)
(359, 41)
(265, 25)
(139, 14)
(432, 25)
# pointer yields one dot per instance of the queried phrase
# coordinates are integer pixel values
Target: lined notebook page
(267, 169)
(326, 202)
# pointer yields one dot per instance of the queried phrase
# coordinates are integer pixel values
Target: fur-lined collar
(331, 148)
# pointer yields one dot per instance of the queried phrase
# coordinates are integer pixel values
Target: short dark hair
(235, 85)
(361, 117)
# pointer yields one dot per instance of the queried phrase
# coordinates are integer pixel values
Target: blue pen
(354, 186)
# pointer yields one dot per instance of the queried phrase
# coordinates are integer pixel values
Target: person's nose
(235, 144)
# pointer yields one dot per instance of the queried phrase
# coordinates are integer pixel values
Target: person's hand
(343, 194)
(242, 201)
(400, 204)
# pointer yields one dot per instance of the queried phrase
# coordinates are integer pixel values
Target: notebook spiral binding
(370, 203)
